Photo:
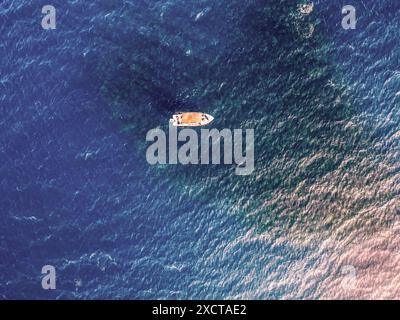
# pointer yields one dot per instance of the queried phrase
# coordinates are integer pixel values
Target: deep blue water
(77, 192)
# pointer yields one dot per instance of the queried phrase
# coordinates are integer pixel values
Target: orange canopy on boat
(191, 117)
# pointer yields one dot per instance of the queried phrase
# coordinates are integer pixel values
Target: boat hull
(191, 119)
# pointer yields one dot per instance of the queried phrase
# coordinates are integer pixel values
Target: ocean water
(317, 219)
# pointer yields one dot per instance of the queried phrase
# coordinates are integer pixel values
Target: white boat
(191, 119)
